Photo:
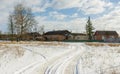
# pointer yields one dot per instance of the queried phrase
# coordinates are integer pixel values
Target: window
(103, 37)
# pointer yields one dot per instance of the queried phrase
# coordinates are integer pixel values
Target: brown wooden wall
(99, 37)
(55, 37)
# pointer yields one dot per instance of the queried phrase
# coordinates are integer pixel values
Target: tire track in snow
(30, 66)
(33, 51)
(23, 70)
(54, 69)
(77, 68)
(45, 67)
(35, 67)
(59, 67)
(73, 66)
(70, 66)
(56, 65)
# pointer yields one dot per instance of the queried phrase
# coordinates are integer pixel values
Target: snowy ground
(58, 58)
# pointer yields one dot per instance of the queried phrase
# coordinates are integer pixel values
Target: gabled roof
(106, 33)
(59, 32)
(33, 33)
(75, 34)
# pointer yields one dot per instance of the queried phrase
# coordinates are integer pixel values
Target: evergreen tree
(89, 29)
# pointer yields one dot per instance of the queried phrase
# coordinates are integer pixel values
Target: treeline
(21, 21)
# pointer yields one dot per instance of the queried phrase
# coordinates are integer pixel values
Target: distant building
(105, 35)
(56, 35)
(26, 36)
(30, 36)
(78, 36)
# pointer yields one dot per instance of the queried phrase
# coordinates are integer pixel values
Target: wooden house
(56, 35)
(26, 36)
(78, 36)
(8, 36)
(103, 35)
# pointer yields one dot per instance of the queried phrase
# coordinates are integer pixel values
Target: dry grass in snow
(59, 58)
(103, 44)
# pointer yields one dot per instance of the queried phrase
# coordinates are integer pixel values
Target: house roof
(33, 33)
(106, 33)
(78, 34)
(59, 32)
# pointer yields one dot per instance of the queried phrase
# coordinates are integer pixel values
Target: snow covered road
(58, 58)
(60, 66)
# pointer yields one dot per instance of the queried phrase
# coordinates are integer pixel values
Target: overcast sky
(68, 14)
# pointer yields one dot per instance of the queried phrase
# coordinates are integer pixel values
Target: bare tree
(11, 27)
(41, 29)
(22, 19)
(0, 32)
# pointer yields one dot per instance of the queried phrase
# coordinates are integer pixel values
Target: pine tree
(89, 29)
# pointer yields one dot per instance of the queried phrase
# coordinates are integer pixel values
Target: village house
(105, 35)
(25, 36)
(40, 38)
(78, 36)
(8, 36)
(30, 36)
(56, 35)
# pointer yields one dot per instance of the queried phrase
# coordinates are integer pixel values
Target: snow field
(58, 58)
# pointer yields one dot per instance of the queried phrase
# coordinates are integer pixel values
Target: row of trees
(21, 21)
